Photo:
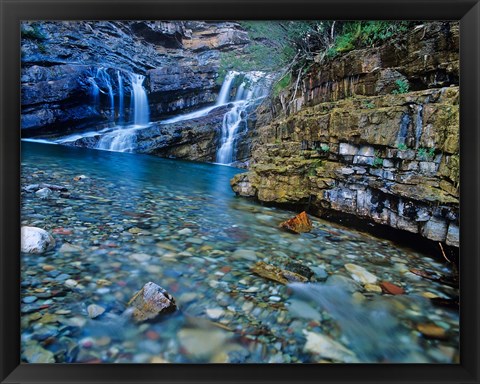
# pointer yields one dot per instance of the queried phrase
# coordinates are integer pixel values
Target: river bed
(128, 219)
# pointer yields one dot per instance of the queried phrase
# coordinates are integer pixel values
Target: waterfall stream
(241, 92)
(249, 92)
(124, 139)
(121, 111)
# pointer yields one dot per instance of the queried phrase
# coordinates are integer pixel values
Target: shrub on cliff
(291, 47)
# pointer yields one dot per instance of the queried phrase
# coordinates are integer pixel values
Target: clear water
(127, 220)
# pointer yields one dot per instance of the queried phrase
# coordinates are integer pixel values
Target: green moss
(426, 153)
(402, 87)
(282, 84)
(377, 160)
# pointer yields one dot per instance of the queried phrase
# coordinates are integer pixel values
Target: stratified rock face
(391, 159)
(180, 60)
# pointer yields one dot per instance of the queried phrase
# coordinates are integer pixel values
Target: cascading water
(102, 79)
(231, 122)
(124, 140)
(140, 101)
(121, 112)
(94, 91)
(123, 137)
(226, 89)
(248, 93)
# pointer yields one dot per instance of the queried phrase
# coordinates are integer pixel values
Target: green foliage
(312, 169)
(425, 153)
(34, 33)
(368, 104)
(402, 87)
(359, 34)
(282, 84)
(324, 147)
(402, 147)
(292, 47)
(377, 160)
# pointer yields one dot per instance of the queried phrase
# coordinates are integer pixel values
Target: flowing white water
(231, 122)
(121, 112)
(193, 115)
(124, 140)
(120, 140)
(224, 95)
(95, 91)
(248, 94)
(140, 101)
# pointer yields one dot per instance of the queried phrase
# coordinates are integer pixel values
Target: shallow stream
(128, 219)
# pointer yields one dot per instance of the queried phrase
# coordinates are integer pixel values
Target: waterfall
(224, 95)
(103, 80)
(251, 90)
(240, 91)
(418, 125)
(231, 122)
(95, 92)
(124, 140)
(121, 111)
(120, 140)
(140, 101)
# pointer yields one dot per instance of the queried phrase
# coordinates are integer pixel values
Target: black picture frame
(13, 11)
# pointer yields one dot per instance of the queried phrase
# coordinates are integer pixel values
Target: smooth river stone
(151, 301)
(37, 354)
(327, 348)
(95, 310)
(36, 240)
(360, 274)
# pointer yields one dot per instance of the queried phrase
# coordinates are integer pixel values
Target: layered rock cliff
(373, 134)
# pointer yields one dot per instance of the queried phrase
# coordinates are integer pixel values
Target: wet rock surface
(246, 318)
(150, 302)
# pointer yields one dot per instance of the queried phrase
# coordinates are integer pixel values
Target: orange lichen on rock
(298, 224)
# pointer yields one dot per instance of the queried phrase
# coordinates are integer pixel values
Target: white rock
(36, 240)
(215, 313)
(185, 231)
(327, 348)
(360, 274)
(70, 283)
(44, 193)
(347, 149)
(95, 310)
